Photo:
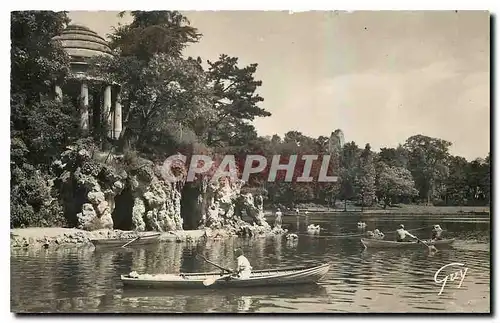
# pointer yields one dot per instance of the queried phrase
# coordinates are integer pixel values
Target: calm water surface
(87, 280)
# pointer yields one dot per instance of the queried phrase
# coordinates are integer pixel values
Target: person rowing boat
(243, 268)
(402, 233)
(436, 233)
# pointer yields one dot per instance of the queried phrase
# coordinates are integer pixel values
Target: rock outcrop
(218, 202)
(65, 237)
(90, 184)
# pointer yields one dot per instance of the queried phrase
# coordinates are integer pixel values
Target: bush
(31, 200)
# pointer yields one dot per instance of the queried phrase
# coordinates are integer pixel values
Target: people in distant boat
(278, 220)
(437, 232)
(243, 268)
(313, 229)
(379, 235)
(361, 225)
(402, 234)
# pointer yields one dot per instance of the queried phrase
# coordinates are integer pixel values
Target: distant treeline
(421, 171)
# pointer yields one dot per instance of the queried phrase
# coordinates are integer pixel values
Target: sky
(380, 76)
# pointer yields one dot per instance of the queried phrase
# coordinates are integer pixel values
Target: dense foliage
(173, 103)
(40, 126)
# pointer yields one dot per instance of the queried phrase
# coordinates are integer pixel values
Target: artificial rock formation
(218, 202)
(158, 208)
(92, 183)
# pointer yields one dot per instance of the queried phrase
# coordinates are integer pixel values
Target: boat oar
(126, 244)
(214, 264)
(431, 247)
(210, 281)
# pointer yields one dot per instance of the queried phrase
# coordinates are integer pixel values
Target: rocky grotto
(104, 191)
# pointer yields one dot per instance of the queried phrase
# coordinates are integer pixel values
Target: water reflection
(360, 280)
(208, 300)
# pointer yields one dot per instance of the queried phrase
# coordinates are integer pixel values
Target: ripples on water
(360, 280)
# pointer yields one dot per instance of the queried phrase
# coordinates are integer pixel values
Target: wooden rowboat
(374, 243)
(142, 240)
(274, 277)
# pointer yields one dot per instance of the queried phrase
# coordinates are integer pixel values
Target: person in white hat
(437, 232)
(243, 269)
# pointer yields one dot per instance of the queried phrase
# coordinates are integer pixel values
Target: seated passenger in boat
(437, 233)
(370, 235)
(378, 234)
(243, 268)
(402, 234)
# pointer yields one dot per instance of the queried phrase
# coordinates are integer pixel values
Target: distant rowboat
(374, 243)
(273, 277)
(141, 240)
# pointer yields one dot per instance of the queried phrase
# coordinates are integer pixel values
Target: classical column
(96, 112)
(107, 111)
(118, 115)
(58, 93)
(84, 107)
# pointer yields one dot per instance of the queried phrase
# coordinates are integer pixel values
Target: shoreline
(57, 237)
(403, 210)
(50, 237)
(39, 237)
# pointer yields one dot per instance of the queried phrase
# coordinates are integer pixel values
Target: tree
(427, 163)
(154, 32)
(45, 128)
(395, 182)
(322, 142)
(397, 157)
(349, 171)
(166, 99)
(486, 180)
(478, 181)
(36, 60)
(39, 126)
(366, 178)
(234, 99)
(456, 182)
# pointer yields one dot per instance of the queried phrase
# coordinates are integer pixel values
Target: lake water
(86, 279)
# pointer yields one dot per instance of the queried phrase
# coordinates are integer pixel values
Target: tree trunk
(386, 200)
(362, 201)
(345, 205)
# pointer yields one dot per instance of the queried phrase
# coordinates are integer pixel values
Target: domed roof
(81, 42)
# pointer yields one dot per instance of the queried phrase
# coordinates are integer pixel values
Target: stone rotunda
(103, 98)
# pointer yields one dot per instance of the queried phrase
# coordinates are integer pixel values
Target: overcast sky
(379, 76)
